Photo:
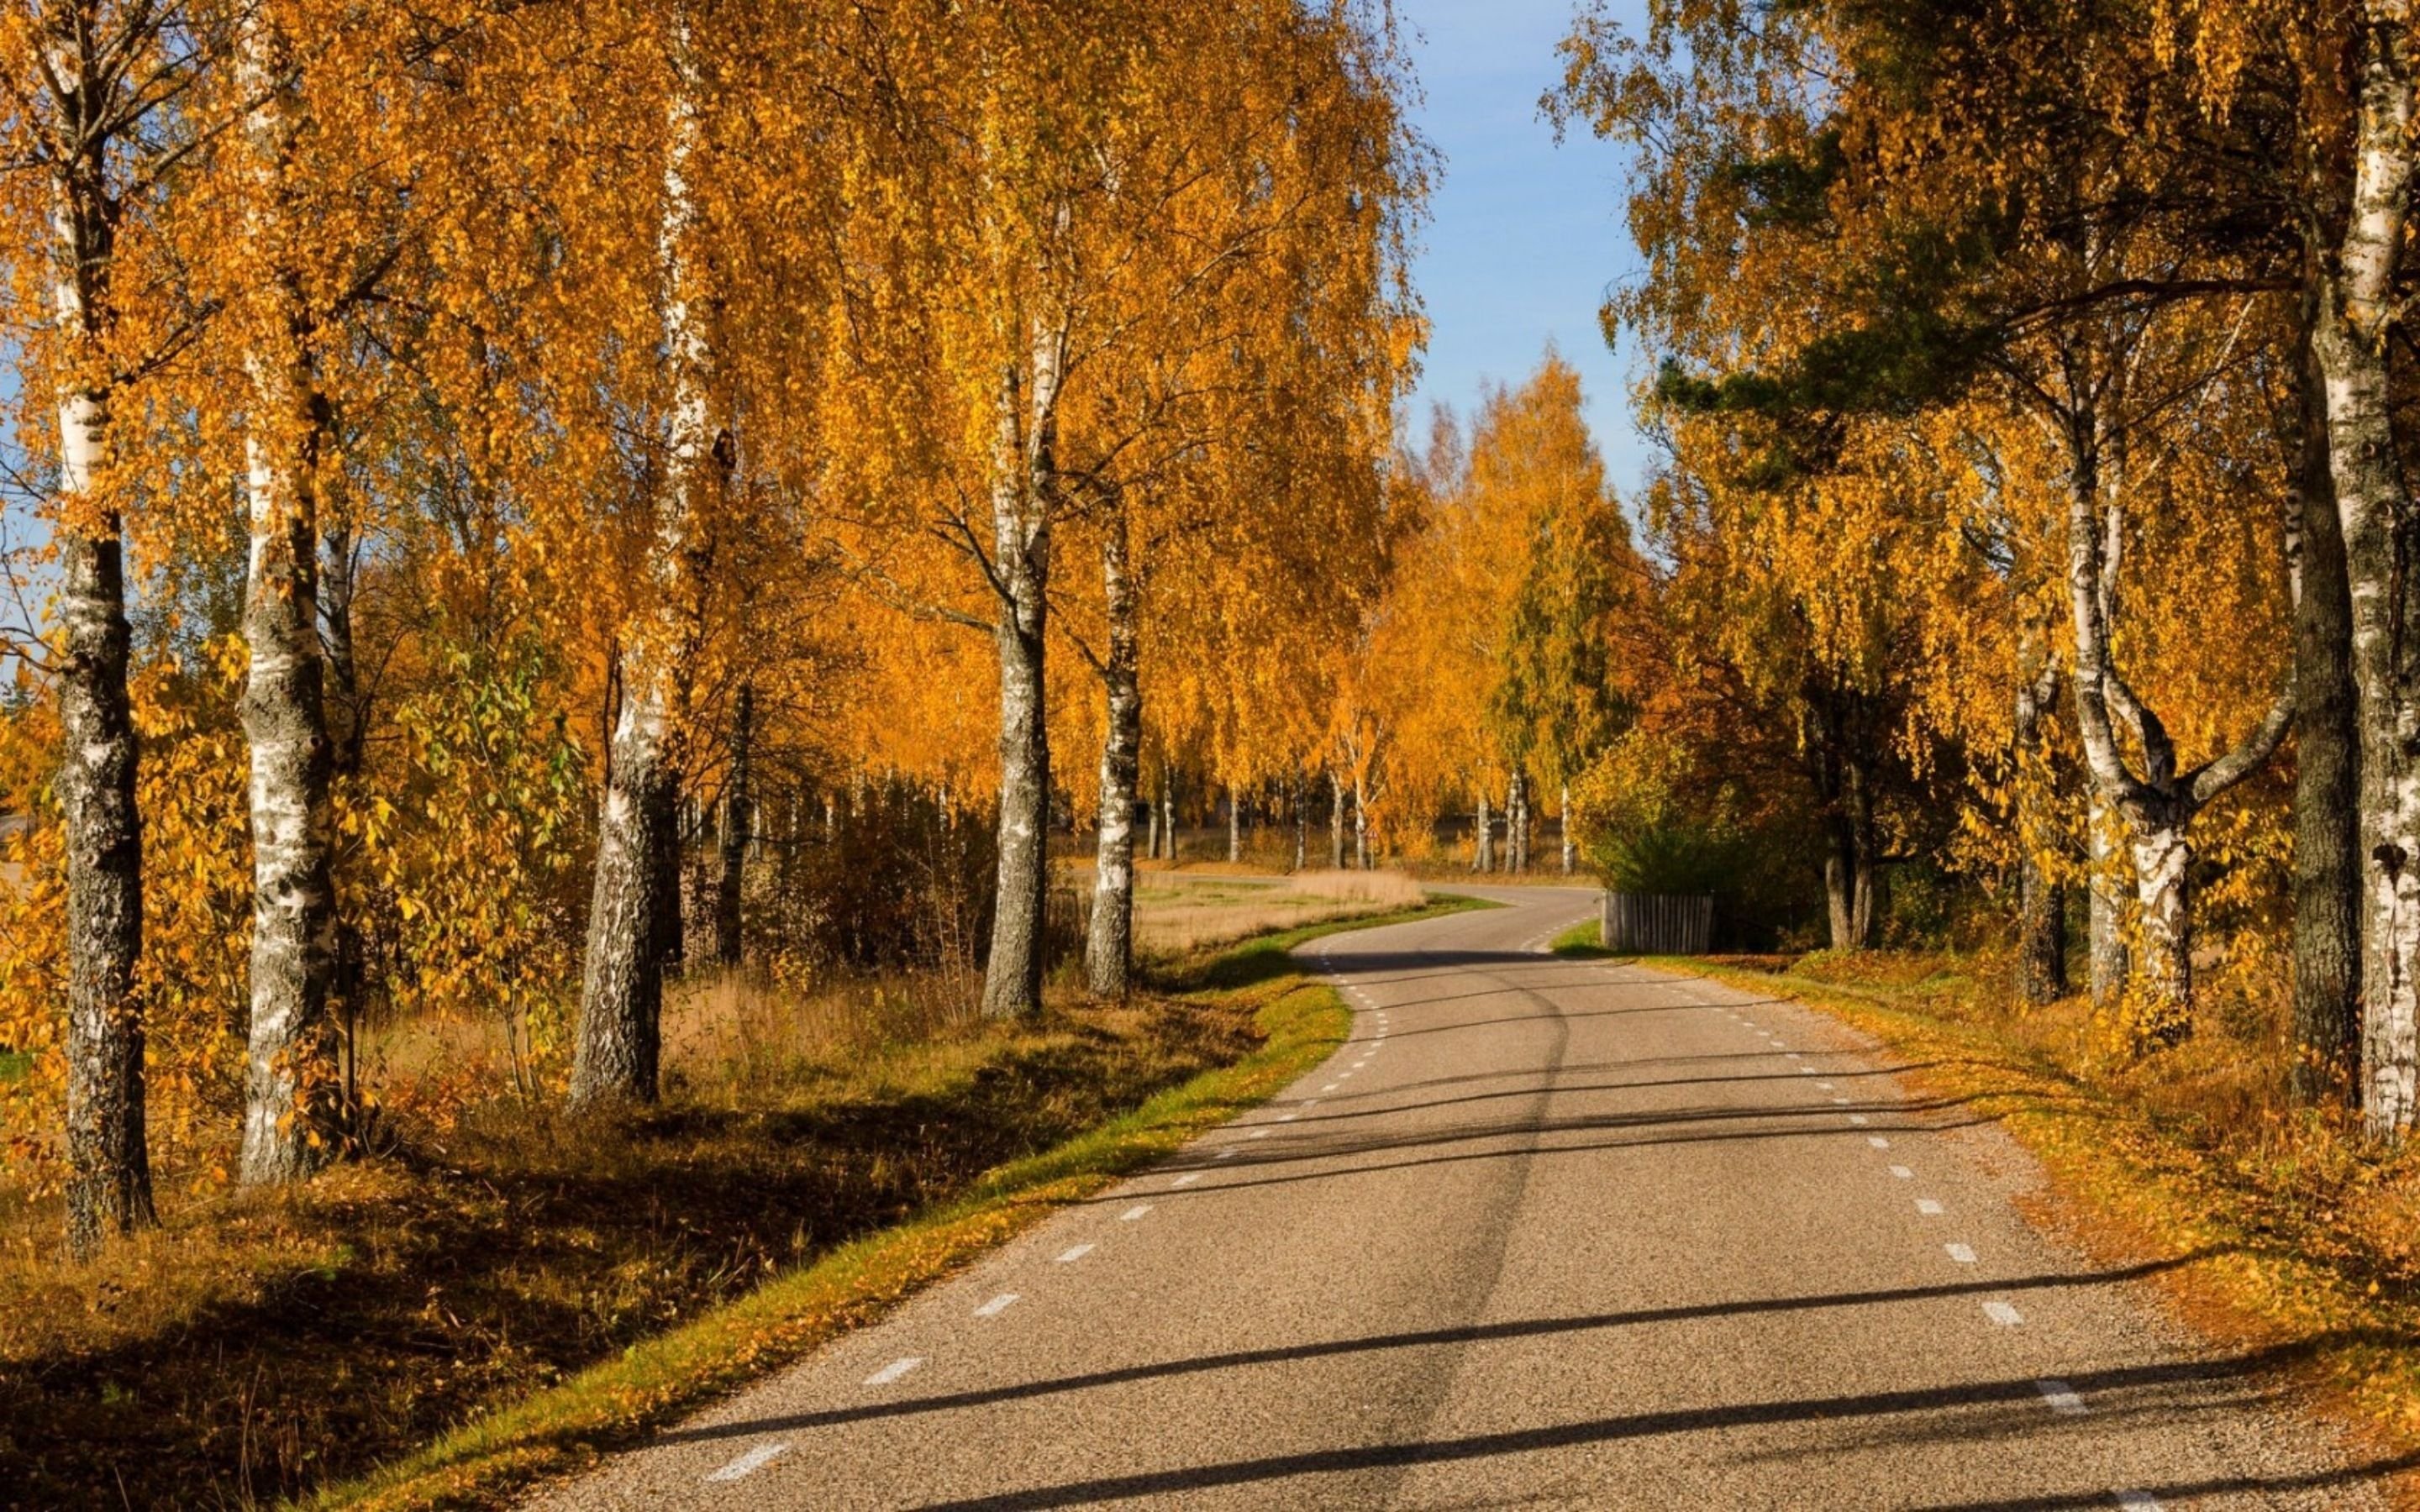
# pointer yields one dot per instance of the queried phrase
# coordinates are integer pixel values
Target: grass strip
(1580, 941)
(2263, 1280)
(570, 1426)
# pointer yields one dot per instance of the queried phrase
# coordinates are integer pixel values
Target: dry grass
(2293, 1233)
(266, 1347)
(1176, 912)
(257, 1346)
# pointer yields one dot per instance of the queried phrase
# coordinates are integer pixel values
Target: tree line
(2031, 383)
(474, 444)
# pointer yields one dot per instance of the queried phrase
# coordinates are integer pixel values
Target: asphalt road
(1544, 1233)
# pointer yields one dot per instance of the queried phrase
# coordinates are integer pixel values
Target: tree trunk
(1168, 813)
(2162, 876)
(1336, 821)
(290, 1088)
(2041, 903)
(348, 725)
(2041, 933)
(2157, 805)
(2355, 308)
(1508, 858)
(1022, 477)
(1235, 826)
(621, 983)
(1840, 891)
(1151, 820)
(1360, 824)
(1563, 828)
(1108, 955)
(109, 1167)
(2111, 960)
(738, 827)
(2327, 787)
(1013, 975)
(1482, 855)
(1301, 823)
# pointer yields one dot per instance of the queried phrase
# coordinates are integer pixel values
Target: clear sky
(1524, 236)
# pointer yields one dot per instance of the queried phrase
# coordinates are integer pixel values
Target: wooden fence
(1654, 924)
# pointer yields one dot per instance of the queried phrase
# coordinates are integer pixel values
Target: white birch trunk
(621, 988)
(109, 1171)
(1563, 822)
(1108, 955)
(1022, 476)
(2350, 332)
(290, 1078)
(2163, 862)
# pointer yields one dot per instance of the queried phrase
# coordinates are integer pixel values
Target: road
(1543, 1233)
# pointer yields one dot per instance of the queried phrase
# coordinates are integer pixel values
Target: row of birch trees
(2033, 382)
(453, 432)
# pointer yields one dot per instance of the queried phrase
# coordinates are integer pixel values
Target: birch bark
(2156, 807)
(2353, 314)
(1022, 479)
(1108, 955)
(291, 1094)
(1336, 821)
(109, 1170)
(621, 986)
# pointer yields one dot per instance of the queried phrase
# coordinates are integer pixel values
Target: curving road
(1545, 1233)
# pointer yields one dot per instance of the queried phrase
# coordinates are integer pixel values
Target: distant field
(1181, 911)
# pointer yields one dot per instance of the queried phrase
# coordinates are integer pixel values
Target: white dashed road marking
(893, 1371)
(1074, 1254)
(2002, 1314)
(2060, 1397)
(1878, 1141)
(997, 1305)
(1902, 1173)
(1132, 1214)
(1857, 1118)
(1961, 1253)
(1258, 1134)
(750, 1463)
(1187, 1179)
(1928, 1207)
(2138, 1501)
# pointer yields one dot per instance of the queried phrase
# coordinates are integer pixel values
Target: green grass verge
(572, 1425)
(1581, 940)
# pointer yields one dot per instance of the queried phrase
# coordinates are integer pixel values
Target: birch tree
(92, 85)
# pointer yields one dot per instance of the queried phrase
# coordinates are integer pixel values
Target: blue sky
(1524, 236)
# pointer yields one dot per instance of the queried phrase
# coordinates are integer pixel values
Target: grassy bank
(2282, 1231)
(502, 1298)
